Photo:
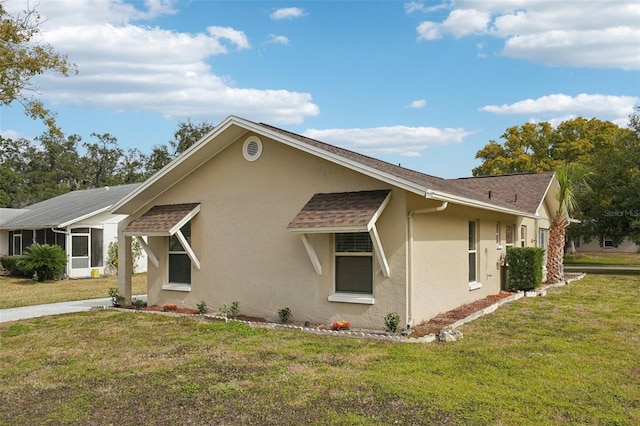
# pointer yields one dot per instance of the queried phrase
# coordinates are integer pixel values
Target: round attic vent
(252, 148)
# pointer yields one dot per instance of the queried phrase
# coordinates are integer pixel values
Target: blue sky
(424, 84)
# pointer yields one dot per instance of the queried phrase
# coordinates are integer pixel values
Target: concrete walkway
(602, 268)
(25, 312)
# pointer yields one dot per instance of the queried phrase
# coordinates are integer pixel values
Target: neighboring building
(606, 245)
(271, 219)
(78, 221)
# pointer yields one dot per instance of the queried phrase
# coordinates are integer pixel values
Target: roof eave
(83, 217)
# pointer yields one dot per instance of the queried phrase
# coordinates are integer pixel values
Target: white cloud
(420, 103)
(287, 13)
(278, 39)
(402, 140)
(605, 107)
(10, 134)
(585, 34)
(234, 36)
(124, 66)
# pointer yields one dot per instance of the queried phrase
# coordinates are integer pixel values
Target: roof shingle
(160, 219)
(339, 210)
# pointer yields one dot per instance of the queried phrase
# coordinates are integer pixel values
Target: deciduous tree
(22, 57)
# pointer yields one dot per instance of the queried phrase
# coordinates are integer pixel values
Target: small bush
(525, 268)
(231, 310)
(391, 322)
(284, 314)
(10, 263)
(138, 303)
(202, 307)
(46, 260)
(116, 298)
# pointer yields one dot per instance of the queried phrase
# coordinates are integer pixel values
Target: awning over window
(163, 220)
(342, 212)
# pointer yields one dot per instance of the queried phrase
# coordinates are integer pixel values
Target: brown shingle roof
(339, 210)
(524, 192)
(529, 187)
(160, 219)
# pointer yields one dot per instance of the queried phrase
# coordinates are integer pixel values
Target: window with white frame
(473, 252)
(523, 236)
(354, 263)
(498, 234)
(508, 235)
(179, 260)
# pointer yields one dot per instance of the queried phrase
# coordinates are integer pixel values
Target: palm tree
(47, 261)
(570, 177)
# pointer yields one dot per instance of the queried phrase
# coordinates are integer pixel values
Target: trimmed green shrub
(525, 268)
(10, 263)
(46, 260)
(284, 314)
(392, 322)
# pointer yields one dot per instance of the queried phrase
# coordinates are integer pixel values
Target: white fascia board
(329, 230)
(318, 152)
(477, 204)
(224, 125)
(81, 218)
(150, 254)
(188, 249)
(544, 197)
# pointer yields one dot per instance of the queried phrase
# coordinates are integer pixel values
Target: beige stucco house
(271, 219)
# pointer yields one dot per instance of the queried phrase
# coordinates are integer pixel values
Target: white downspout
(409, 300)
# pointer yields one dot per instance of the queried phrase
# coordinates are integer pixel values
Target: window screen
(179, 261)
(354, 263)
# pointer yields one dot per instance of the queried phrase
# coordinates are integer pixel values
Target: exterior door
(80, 255)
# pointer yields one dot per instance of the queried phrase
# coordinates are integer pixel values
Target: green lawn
(16, 292)
(603, 259)
(568, 358)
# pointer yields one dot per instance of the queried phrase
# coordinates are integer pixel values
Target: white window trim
(176, 287)
(365, 299)
(523, 235)
(183, 241)
(498, 236)
(475, 285)
(347, 297)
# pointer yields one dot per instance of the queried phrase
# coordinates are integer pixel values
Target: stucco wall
(440, 279)
(248, 255)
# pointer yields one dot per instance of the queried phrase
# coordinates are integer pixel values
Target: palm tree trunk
(555, 250)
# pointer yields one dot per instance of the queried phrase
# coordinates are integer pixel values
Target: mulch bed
(437, 323)
(433, 326)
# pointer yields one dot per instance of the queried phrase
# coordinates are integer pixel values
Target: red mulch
(156, 308)
(433, 326)
(437, 323)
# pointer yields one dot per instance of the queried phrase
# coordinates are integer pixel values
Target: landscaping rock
(449, 334)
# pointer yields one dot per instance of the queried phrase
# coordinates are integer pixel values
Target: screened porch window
(354, 263)
(179, 261)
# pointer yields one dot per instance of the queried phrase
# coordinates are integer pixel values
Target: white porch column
(125, 267)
